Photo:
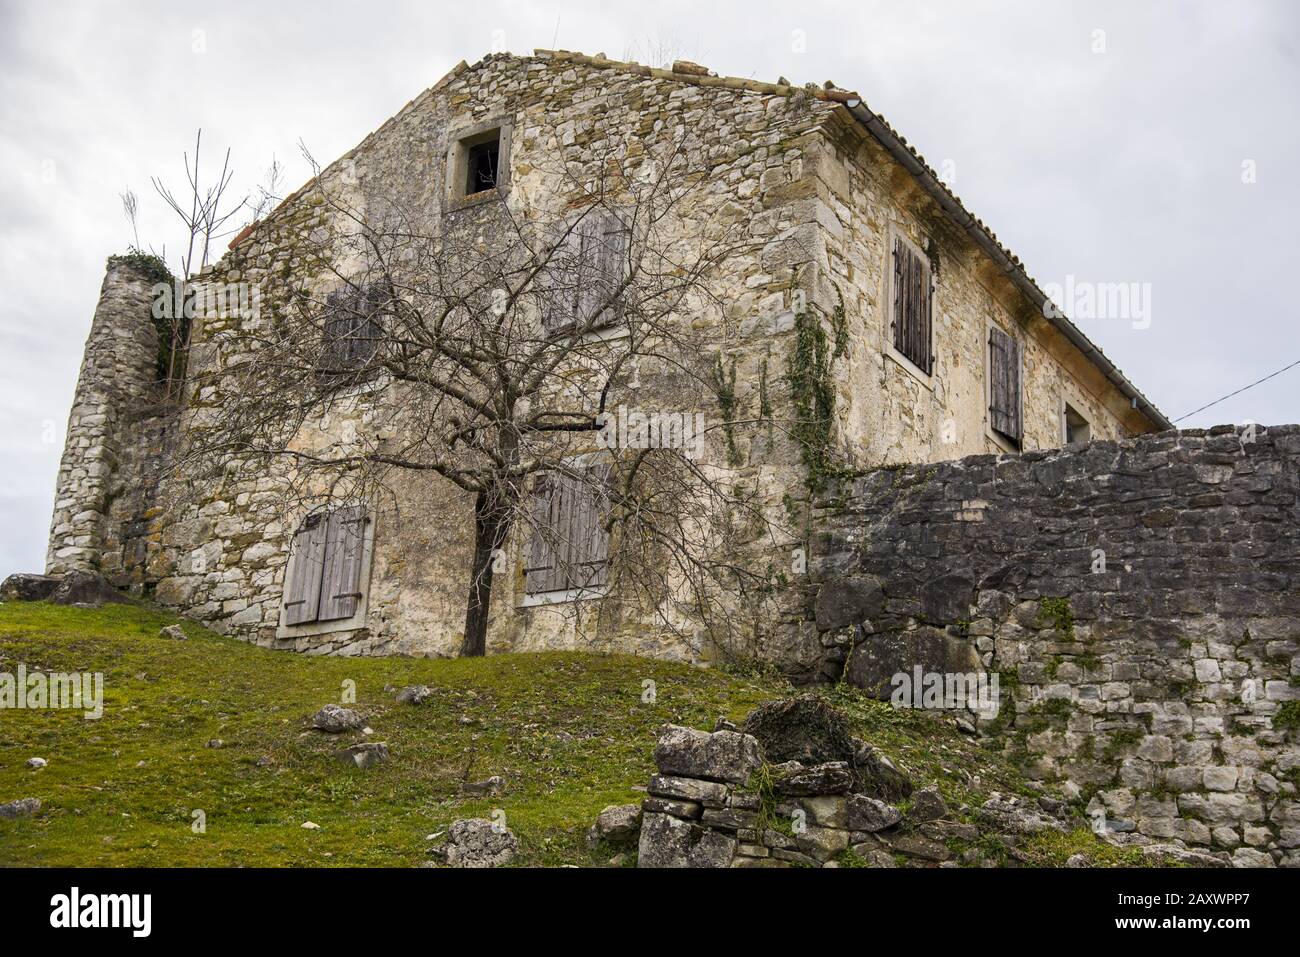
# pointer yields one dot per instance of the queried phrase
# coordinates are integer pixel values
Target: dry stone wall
(1139, 602)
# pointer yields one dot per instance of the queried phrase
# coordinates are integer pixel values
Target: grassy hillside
(568, 732)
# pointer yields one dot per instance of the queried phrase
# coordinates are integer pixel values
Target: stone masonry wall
(104, 443)
(812, 202)
(1163, 684)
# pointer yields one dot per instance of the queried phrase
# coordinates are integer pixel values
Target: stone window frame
(358, 618)
(1000, 440)
(459, 141)
(928, 380)
(564, 596)
(1071, 397)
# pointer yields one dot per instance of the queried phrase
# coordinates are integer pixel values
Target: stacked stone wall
(1139, 602)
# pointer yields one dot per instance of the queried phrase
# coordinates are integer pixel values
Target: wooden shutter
(542, 571)
(341, 577)
(570, 546)
(589, 544)
(912, 306)
(367, 325)
(1004, 384)
(306, 561)
(336, 327)
(559, 280)
(604, 266)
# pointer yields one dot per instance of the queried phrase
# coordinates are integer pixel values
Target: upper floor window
(1074, 427)
(911, 305)
(1004, 386)
(587, 268)
(323, 582)
(569, 550)
(478, 163)
(352, 329)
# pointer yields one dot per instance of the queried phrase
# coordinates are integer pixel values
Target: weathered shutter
(925, 294)
(336, 327)
(912, 305)
(306, 561)
(1004, 384)
(542, 571)
(1014, 386)
(589, 563)
(610, 265)
(341, 578)
(591, 289)
(558, 281)
(570, 546)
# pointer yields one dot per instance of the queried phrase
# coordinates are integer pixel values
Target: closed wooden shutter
(542, 572)
(1004, 384)
(335, 328)
(367, 325)
(306, 561)
(604, 266)
(586, 269)
(341, 577)
(570, 546)
(913, 305)
(589, 548)
(352, 329)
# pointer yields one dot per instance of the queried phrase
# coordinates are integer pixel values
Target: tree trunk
(491, 525)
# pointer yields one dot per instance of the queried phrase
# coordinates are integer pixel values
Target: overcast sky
(1108, 142)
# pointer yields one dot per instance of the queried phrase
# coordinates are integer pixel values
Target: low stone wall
(1137, 601)
(793, 788)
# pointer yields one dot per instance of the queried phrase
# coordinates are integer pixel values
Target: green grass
(567, 730)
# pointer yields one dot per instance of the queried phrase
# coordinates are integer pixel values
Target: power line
(1239, 391)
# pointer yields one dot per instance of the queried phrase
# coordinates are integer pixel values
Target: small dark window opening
(1077, 428)
(481, 161)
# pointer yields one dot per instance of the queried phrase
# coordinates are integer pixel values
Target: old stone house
(937, 345)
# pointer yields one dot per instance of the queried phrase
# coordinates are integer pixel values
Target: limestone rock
(1183, 855)
(927, 805)
(489, 786)
(414, 694)
(708, 793)
(617, 824)
(870, 815)
(334, 719)
(832, 777)
(477, 842)
(720, 756)
(848, 601)
(1012, 816)
(174, 632)
(668, 841)
(86, 588)
(876, 776)
(23, 807)
(365, 755)
(36, 763)
(24, 587)
(874, 662)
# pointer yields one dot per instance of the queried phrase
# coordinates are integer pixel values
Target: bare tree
(499, 346)
(205, 211)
